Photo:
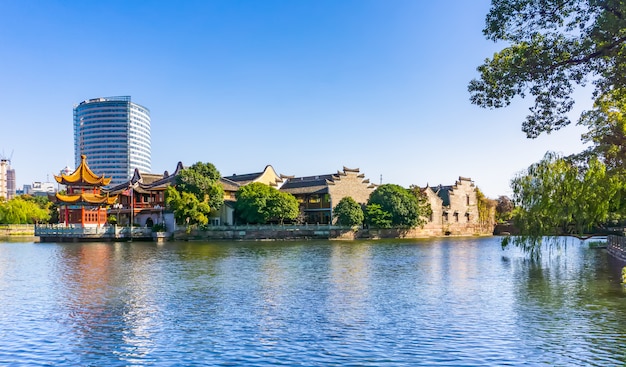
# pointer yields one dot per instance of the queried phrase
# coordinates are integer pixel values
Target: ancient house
(318, 195)
(454, 209)
(230, 184)
(84, 204)
(144, 196)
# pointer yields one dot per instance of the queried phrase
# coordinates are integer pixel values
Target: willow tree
(23, 210)
(552, 48)
(557, 196)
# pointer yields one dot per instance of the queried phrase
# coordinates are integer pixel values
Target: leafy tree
(558, 197)
(400, 203)
(202, 180)
(376, 216)
(553, 46)
(196, 193)
(186, 207)
(251, 202)
(20, 210)
(348, 212)
(504, 208)
(607, 130)
(282, 206)
(486, 210)
(422, 202)
(258, 203)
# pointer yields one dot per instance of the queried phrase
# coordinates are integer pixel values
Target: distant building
(230, 184)
(5, 167)
(454, 209)
(40, 188)
(84, 204)
(143, 198)
(11, 189)
(318, 195)
(114, 134)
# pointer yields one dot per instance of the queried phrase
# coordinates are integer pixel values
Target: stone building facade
(454, 209)
(318, 195)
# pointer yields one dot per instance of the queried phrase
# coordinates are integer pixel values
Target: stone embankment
(17, 230)
(616, 247)
(304, 232)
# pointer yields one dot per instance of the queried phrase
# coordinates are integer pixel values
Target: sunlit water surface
(450, 302)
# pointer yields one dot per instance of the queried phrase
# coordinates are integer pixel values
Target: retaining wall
(17, 229)
(616, 247)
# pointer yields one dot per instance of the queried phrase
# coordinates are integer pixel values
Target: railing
(61, 230)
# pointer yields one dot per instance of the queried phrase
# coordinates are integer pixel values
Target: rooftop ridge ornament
(83, 175)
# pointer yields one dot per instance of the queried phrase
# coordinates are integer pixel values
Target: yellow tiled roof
(89, 198)
(82, 176)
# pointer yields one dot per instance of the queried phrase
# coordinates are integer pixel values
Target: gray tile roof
(308, 185)
(245, 178)
(229, 185)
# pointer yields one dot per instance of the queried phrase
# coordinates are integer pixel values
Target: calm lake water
(449, 302)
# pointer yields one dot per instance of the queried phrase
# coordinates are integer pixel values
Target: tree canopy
(258, 203)
(553, 47)
(196, 193)
(25, 209)
(348, 212)
(202, 180)
(504, 208)
(186, 207)
(556, 196)
(392, 205)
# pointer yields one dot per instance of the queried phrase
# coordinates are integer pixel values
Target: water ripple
(387, 303)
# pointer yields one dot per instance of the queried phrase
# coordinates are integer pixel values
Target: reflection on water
(446, 302)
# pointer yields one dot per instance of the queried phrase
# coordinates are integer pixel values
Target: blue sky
(306, 86)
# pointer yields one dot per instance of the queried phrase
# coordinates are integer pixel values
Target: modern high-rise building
(114, 134)
(7, 179)
(4, 167)
(11, 184)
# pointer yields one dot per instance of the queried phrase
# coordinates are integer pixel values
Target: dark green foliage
(258, 203)
(202, 180)
(197, 193)
(553, 46)
(377, 217)
(186, 207)
(400, 204)
(282, 206)
(348, 212)
(504, 208)
(422, 202)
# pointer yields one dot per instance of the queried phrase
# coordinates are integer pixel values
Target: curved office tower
(114, 134)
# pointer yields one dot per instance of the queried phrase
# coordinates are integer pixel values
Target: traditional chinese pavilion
(84, 203)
